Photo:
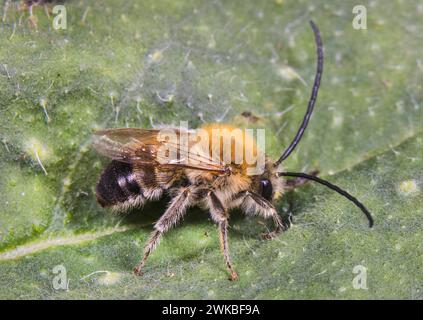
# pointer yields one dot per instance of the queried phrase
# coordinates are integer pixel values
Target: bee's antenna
(333, 187)
(313, 97)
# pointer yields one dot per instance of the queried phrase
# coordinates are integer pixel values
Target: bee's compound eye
(266, 189)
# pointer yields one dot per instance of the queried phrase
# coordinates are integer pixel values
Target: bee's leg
(298, 182)
(176, 210)
(219, 215)
(6, 4)
(223, 236)
(33, 21)
(47, 11)
(256, 204)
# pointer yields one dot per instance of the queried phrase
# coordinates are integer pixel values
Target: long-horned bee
(148, 163)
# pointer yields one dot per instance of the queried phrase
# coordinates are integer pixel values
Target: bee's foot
(234, 276)
(137, 271)
(33, 22)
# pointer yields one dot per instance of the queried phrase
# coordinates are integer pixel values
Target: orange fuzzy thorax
(241, 144)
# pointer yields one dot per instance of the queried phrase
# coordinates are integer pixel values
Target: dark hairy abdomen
(117, 185)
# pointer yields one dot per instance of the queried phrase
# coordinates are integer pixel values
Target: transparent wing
(164, 148)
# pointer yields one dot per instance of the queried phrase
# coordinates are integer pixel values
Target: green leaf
(126, 63)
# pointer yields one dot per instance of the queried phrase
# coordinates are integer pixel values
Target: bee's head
(269, 185)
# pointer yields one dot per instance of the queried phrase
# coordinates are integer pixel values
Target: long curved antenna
(333, 187)
(313, 97)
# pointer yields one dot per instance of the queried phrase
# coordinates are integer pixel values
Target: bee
(140, 171)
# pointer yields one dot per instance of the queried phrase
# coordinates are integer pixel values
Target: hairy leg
(47, 11)
(176, 210)
(33, 21)
(219, 215)
(255, 204)
(6, 4)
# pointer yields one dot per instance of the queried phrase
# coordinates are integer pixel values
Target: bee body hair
(210, 174)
